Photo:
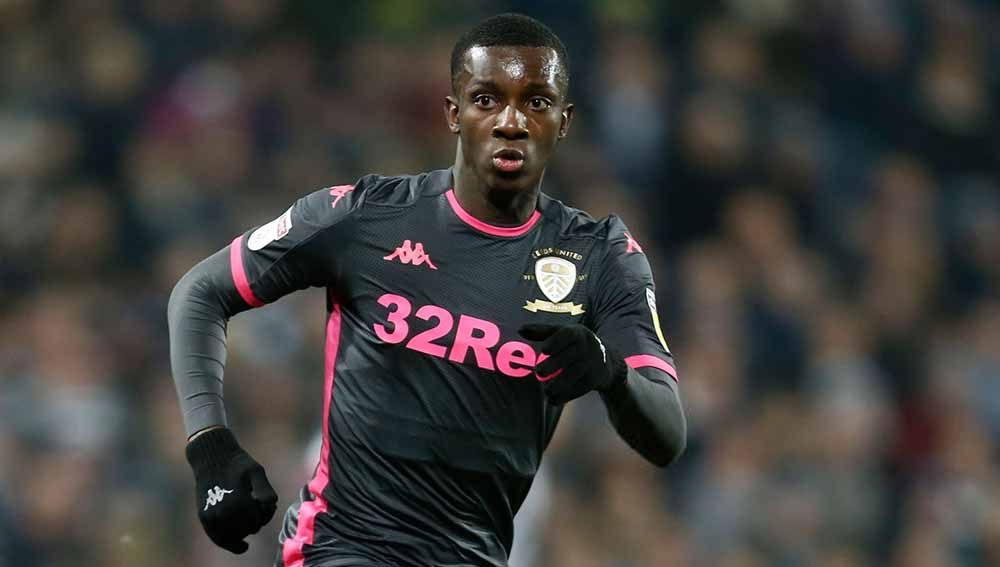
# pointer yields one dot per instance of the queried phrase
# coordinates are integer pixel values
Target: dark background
(814, 181)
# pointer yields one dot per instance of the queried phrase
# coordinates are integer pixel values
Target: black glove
(577, 361)
(233, 495)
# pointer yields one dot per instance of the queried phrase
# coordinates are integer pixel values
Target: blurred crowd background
(814, 181)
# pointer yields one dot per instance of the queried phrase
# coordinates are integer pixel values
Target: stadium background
(815, 183)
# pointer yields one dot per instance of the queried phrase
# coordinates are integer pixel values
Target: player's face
(509, 112)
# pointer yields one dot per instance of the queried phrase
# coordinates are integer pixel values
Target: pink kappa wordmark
(408, 253)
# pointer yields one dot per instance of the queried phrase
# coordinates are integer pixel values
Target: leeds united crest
(555, 277)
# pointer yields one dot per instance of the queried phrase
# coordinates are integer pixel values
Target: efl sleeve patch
(271, 231)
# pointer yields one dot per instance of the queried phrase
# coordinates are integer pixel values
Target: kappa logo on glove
(215, 495)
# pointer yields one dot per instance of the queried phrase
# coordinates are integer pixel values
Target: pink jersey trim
(643, 360)
(240, 274)
(291, 552)
(505, 231)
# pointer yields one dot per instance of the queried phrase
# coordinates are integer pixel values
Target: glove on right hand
(233, 495)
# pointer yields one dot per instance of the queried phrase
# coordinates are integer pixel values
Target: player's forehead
(512, 63)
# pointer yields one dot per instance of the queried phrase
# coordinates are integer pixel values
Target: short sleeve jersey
(434, 421)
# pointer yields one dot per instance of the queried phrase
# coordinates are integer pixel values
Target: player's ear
(451, 113)
(567, 117)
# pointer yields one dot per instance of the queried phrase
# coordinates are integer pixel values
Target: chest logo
(408, 253)
(555, 277)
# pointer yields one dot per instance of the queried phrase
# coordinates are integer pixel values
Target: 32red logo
(472, 334)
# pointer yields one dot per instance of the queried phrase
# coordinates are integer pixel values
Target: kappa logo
(215, 495)
(339, 192)
(633, 246)
(408, 253)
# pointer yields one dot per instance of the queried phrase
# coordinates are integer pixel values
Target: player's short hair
(508, 30)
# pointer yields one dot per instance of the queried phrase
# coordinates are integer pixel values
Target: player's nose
(511, 124)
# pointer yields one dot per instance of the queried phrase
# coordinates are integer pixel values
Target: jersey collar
(491, 229)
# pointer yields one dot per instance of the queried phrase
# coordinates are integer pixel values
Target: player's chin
(520, 180)
(511, 182)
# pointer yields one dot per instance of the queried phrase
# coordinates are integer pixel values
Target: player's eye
(484, 101)
(539, 103)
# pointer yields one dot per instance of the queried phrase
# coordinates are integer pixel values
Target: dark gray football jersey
(435, 423)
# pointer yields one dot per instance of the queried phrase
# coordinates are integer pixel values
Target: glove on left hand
(577, 361)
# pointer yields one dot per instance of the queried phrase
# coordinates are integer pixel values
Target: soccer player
(465, 308)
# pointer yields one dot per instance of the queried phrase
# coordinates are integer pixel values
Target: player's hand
(233, 495)
(577, 361)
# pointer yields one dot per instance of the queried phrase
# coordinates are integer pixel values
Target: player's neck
(494, 206)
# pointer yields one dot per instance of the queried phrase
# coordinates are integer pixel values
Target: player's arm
(645, 405)
(258, 267)
(622, 355)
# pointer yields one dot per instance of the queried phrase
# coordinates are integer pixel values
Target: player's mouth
(508, 160)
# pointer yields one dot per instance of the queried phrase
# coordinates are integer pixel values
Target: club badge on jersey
(556, 276)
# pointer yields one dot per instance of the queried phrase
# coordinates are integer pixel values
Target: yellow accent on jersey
(651, 301)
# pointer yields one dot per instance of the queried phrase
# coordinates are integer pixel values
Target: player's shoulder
(623, 262)
(402, 190)
(371, 193)
(577, 223)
